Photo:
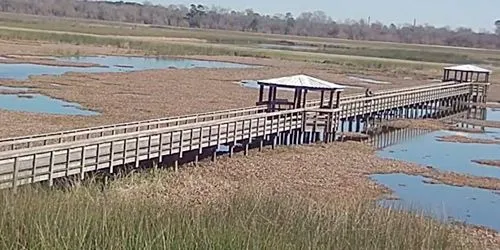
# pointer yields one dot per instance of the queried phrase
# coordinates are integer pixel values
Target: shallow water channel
(108, 64)
(470, 205)
(39, 103)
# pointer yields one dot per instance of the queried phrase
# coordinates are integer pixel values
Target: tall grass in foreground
(86, 219)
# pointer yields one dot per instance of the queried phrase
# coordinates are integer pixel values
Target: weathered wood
(151, 141)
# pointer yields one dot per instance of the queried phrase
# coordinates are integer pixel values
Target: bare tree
(315, 23)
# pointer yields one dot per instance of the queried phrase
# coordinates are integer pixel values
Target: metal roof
(468, 68)
(301, 81)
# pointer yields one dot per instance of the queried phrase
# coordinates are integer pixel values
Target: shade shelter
(301, 84)
(466, 73)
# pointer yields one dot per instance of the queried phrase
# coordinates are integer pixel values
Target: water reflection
(470, 205)
(38, 103)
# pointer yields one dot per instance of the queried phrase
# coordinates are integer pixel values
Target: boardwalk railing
(122, 128)
(132, 143)
(76, 158)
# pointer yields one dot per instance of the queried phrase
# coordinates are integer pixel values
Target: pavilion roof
(468, 68)
(302, 81)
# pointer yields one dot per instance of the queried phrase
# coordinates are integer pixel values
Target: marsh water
(108, 64)
(471, 205)
(38, 103)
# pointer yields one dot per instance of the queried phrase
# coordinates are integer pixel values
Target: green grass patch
(85, 218)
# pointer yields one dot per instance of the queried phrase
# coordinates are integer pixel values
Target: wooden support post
(33, 171)
(231, 150)
(51, 169)
(176, 163)
(68, 160)
(136, 152)
(160, 149)
(181, 143)
(246, 148)
(111, 157)
(358, 124)
(15, 175)
(82, 163)
(214, 155)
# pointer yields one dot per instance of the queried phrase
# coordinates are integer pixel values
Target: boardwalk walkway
(47, 157)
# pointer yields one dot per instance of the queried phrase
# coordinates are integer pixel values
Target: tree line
(315, 23)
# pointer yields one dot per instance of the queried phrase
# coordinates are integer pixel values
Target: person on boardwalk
(368, 92)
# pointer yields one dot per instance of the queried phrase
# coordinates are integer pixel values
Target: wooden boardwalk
(76, 153)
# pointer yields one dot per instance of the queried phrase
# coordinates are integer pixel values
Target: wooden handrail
(192, 118)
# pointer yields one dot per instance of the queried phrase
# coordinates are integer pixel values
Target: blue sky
(475, 14)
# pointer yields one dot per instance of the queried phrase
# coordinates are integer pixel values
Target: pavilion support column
(299, 98)
(305, 99)
(330, 101)
(295, 99)
(322, 100)
(261, 94)
(338, 100)
(269, 98)
(274, 99)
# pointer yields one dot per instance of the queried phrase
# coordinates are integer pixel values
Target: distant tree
(315, 23)
(253, 24)
(195, 15)
(290, 23)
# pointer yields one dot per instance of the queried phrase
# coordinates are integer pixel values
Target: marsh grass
(238, 44)
(86, 218)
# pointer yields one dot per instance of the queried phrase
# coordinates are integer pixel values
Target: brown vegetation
(483, 123)
(320, 173)
(424, 124)
(492, 163)
(121, 97)
(23, 59)
(464, 139)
